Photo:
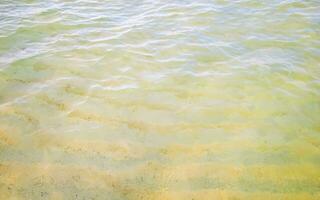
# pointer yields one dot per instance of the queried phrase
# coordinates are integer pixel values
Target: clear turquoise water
(159, 99)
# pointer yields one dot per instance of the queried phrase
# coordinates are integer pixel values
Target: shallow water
(159, 99)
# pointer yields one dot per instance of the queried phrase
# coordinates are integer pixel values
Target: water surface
(159, 99)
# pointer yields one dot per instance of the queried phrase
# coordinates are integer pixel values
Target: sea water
(159, 99)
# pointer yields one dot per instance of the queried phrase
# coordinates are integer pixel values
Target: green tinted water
(159, 99)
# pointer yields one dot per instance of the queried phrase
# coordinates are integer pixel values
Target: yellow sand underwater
(159, 100)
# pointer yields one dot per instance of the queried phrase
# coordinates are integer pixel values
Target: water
(159, 99)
